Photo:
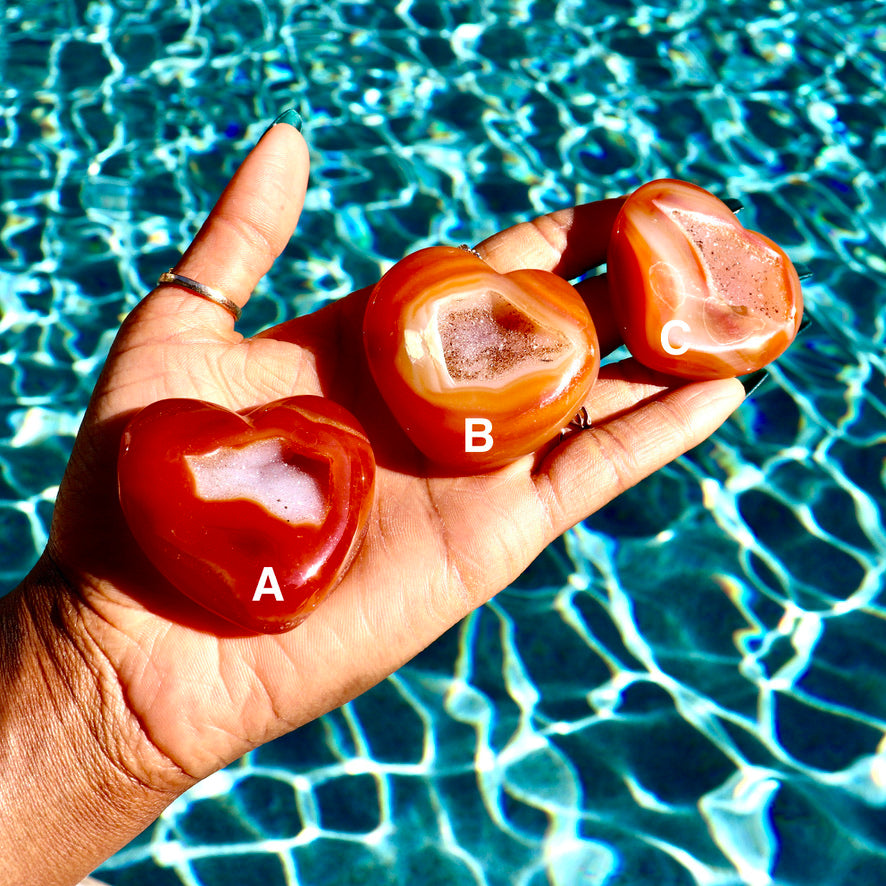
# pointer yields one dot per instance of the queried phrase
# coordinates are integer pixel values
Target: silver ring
(471, 250)
(203, 291)
(581, 422)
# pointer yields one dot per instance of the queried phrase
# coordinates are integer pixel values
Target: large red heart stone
(479, 368)
(254, 516)
(695, 293)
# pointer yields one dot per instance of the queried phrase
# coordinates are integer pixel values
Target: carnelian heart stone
(696, 294)
(479, 368)
(255, 516)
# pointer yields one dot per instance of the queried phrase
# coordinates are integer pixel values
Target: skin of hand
(119, 693)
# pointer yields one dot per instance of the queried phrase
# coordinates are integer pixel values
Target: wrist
(78, 779)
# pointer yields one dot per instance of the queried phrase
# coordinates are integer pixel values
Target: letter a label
(268, 584)
(478, 428)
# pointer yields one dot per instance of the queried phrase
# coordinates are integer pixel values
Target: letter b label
(477, 435)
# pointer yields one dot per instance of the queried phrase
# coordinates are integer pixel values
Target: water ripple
(689, 687)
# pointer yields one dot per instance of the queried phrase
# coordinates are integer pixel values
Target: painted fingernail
(805, 323)
(752, 382)
(290, 116)
(804, 272)
(734, 204)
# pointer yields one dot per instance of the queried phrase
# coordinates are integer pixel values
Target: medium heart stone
(479, 368)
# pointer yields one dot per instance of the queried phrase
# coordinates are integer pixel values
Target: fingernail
(751, 382)
(290, 116)
(804, 272)
(734, 204)
(805, 323)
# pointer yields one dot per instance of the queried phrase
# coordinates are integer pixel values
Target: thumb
(246, 230)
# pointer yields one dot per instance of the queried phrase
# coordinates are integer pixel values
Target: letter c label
(665, 339)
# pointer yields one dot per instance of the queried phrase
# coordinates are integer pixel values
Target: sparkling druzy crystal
(452, 344)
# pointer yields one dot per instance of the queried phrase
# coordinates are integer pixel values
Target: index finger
(567, 242)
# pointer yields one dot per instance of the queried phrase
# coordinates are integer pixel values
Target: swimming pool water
(687, 688)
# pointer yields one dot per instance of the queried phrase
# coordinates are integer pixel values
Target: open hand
(178, 694)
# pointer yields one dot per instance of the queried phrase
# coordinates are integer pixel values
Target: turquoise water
(687, 688)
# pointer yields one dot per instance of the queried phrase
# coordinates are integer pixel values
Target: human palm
(184, 692)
